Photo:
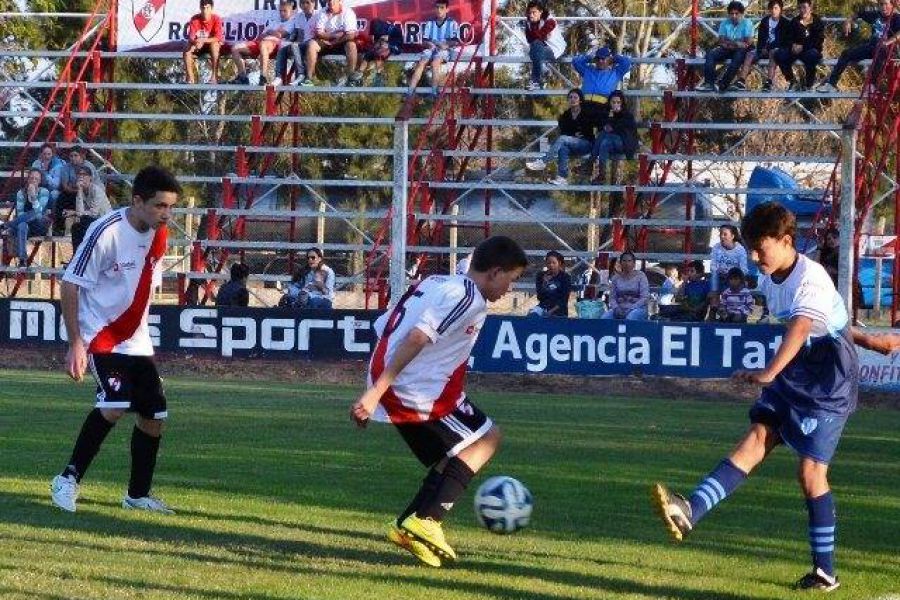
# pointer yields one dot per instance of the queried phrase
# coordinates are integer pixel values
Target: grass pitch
(279, 497)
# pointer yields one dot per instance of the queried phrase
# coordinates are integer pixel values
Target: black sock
(453, 483)
(93, 432)
(429, 484)
(143, 462)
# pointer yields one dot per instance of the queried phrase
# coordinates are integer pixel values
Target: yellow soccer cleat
(413, 546)
(674, 510)
(429, 532)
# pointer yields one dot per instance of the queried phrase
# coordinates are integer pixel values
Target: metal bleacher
(450, 169)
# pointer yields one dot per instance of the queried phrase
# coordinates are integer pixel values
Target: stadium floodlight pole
(399, 209)
(848, 212)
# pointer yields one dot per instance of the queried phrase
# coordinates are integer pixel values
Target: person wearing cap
(601, 73)
(91, 203)
(735, 40)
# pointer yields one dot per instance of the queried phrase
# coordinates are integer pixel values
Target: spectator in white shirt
(336, 31)
(304, 30)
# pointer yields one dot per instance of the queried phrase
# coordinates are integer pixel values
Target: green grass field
(278, 496)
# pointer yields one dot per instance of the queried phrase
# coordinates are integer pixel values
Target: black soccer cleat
(674, 510)
(818, 580)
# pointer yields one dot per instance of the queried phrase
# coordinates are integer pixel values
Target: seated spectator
(735, 39)
(387, 40)
(885, 22)
(50, 166)
(576, 136)
(601, 74)
(440, 35)
(736, 301)
(205, 36)
(694, 296)
(726, 255)
(545, 41)
(336, 31)
(304, 29)
(265, 45)
(317, 281)
(32, 215)
(235, 292)
(670, 286)
(629, 292)
(553, 286)
(462, 267)
(618, 135)
(772, 34)
(829, 252)
(805, 39)
(91, 203)
(68, 186)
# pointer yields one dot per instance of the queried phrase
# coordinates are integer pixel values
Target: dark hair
(77, 150)
(627, 253)
(799, 2)
(778, 3)
(735, 232)
(206, 3)
(618, 94)
(557, 255)
(538, 5)
(498, 251)
(769, 219)
(152, 179)
(697, 265)
(833, 231)
(735, 5)
(48, 145)
(239, 271)
(315, 251)
(444, 2)
(736, 272)
(576, 91)
(291, 3)
(35, 170)
(84, 169)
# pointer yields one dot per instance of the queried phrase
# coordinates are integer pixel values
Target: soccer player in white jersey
(105, 301)
(440, 35)
(810, 389)
(415, 381)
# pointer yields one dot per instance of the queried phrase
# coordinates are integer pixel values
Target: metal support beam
(848, 215)
(399, 210)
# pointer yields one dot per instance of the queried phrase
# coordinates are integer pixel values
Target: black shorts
(128, 382)
(205, 50)
(432, 441)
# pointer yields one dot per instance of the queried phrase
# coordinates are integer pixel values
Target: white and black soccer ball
(503, 504)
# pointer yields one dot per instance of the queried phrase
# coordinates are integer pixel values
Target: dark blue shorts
(812, 435)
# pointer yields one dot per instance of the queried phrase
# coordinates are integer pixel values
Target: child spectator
(32, 215)
(829, 252)
(694, 295)
(265, 45)
(387, 40)
(601, 75)
(670, 286)
(773, 34)
(736, 301)
(735, 39)
(336, 31)
(91, 203)
(235, 292)
(885, 22)
(545, 41)
(205, 37)
(618, 135)
(303, 31)
(50, 167)
(553, 287)
(68, 185)
(629, 291)
(806, 36)
(441, 34)
(576, 136)
(726, 255)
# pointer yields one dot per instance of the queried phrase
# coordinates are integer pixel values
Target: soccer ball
(503, 504)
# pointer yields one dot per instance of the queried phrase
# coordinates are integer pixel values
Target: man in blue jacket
(601, 74)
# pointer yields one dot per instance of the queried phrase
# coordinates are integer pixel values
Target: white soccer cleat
(64, 492)
(536, 165)
(148, 503)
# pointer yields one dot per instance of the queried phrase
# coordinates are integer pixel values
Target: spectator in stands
(601, 75)
(805, 39)
(462, 267)
(885, 22)
(304, 29)
(318, 281)
(576, 136)
(553, 286)
(50, 167)
(735, 39)
(670, 286)
(265, 45)
(387, 40)
(235, 292)
(545, 41)
(32, 214)
(694, 296)
(440, 35)
(336, 31)
(736, 301)
(629, 292)
(205, 36)
(772, 34)
(68, 186)
(617, 136)
(726, 255)
(91, 203)
(829, 252)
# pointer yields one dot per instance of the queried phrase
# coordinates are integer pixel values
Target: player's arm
(884, 344)
(76, 357)
(408, 349)
(794, 339)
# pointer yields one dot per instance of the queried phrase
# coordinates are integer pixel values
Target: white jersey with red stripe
(450, 310)
(115, 268)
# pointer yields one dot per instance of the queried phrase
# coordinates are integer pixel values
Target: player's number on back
(399, 313)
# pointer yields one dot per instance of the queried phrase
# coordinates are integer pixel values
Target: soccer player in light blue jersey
(809, 391)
